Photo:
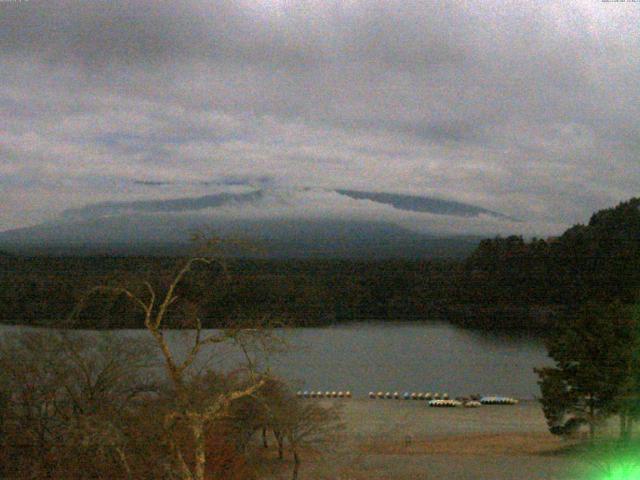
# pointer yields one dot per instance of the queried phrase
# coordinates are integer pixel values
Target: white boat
(444, 403)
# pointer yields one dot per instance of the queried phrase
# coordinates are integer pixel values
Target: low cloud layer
(526, 108)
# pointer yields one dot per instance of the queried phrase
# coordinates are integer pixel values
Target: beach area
(398, 439)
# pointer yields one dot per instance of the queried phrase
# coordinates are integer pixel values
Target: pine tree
(595, 353)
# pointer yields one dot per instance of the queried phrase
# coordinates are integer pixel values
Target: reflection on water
(425, 357)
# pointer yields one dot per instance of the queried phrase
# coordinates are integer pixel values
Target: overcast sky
(528, 108)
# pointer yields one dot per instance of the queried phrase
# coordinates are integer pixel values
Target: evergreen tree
(629, 401)
(594, 351)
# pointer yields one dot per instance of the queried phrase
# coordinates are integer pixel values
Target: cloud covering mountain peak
(527, 108)
(295, 200)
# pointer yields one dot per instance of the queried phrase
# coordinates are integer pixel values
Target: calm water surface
(413, 357)
(421, 357)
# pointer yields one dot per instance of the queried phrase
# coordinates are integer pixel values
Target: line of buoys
(408, 395)
(496, 400)
(325, 394)
(434, 399)
(470, 401)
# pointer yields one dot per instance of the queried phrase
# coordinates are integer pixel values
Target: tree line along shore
(507, 282)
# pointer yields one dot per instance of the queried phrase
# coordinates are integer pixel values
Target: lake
(431, 357)
(399, 356)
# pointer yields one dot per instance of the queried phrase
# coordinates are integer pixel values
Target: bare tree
(191, 410)
(62, 389)
(301, 424)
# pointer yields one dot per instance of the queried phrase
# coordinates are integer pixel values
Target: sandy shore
(396, 439)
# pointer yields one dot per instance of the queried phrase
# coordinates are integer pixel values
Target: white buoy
(380, 395)
(347, 394)
(372, 395)
(436, 396)
(320, 394)
(340, 394)
(388, 394)
(396, 395)
(445, 396)
(420, 396)
(334, 394)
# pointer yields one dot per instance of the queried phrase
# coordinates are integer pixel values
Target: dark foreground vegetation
(596, 350)
(83, 406)
(595, 343)
(78, 407)
(505, 283)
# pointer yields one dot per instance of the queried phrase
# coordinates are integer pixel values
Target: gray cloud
(169, 205)
(527, 108)
(414, 203)
(151, 183)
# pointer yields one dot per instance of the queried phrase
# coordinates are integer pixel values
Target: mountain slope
(298, 222)
(279, 238)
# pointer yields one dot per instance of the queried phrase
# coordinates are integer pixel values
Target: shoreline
(408, 440)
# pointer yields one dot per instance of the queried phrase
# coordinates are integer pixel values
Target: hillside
(599, 261)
